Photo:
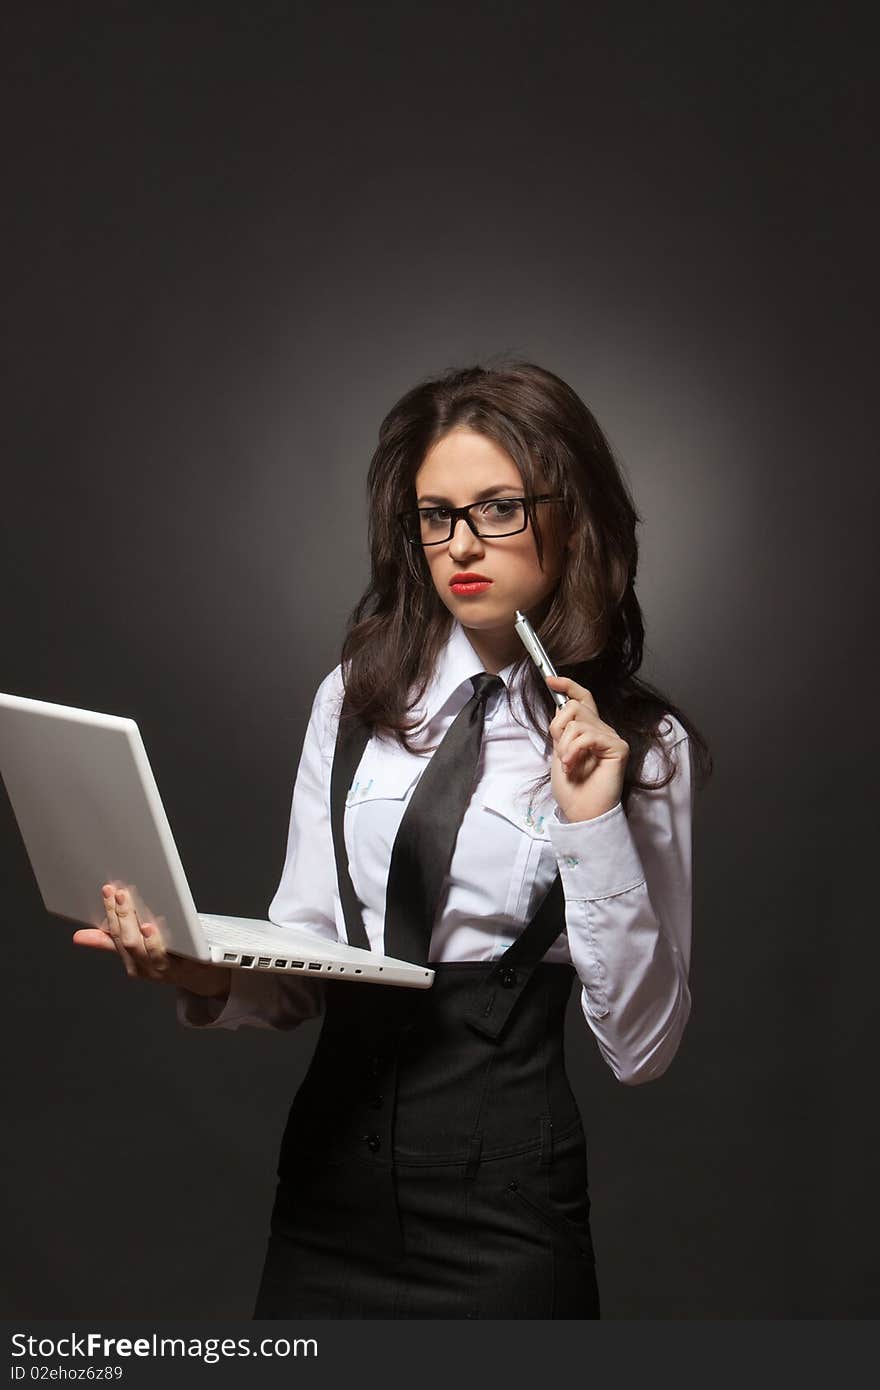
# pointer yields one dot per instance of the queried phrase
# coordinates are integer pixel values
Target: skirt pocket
(553, 1193)
(576, 1236)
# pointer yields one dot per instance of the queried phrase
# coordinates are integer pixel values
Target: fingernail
(120, 896)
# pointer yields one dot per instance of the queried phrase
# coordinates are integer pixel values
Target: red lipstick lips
(469, 583)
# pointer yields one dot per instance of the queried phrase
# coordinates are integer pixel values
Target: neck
(496, 648)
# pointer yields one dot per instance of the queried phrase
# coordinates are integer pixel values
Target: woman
(434, 1163)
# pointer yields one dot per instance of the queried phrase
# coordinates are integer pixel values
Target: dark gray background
(233, 238)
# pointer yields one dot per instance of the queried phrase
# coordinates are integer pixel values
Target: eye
(432, 516)
(501, 509)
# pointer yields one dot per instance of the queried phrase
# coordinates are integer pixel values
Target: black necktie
(423, 849)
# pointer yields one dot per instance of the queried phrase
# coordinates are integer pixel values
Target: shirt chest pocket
(374, 807)
(383, 779)
(517, 830)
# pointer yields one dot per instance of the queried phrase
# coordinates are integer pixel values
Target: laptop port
(297, 965)
(280, 964)
(314, 965)
(247, 960)
(264, 962)
(229, 955)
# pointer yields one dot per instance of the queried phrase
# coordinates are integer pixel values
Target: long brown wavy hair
(593, 628)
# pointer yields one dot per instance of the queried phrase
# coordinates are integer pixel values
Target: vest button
(373, 1142)
(507, 976)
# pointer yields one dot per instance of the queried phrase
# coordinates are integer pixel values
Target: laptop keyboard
(221, 933)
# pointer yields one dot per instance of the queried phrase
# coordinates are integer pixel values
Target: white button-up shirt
(626, 876)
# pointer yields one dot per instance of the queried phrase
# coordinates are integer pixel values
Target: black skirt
(429, 1169)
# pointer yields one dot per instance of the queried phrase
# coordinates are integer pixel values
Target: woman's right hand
(142, 950)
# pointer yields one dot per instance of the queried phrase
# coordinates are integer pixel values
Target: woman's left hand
(589, 758)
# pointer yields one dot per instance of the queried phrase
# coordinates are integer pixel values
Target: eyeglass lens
(500, 517)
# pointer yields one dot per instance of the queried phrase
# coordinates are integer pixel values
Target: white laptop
(89, 811)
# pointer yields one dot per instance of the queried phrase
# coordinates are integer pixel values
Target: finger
(564, 716)
(580, 763)
(118, 907)
(578, 720)
(109, 894)
(604, 739)
(582, 743)
(156, 953)
(574, 726)
(574, 691)
(563, 746)
(130, 927)
(114, 928)
(94, 936)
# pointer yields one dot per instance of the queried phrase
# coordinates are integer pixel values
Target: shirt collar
(456, 664)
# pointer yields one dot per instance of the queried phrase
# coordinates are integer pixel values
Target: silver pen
(529, 639)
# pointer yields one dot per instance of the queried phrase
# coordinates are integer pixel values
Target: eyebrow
(480, 497)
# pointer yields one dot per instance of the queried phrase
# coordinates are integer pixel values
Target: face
(466, 467)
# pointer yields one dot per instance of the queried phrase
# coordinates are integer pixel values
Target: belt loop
(473, 1158)
(546, 1156)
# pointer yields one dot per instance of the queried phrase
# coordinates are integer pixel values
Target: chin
(500, 618)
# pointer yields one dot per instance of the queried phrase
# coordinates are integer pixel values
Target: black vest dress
(434, 1164)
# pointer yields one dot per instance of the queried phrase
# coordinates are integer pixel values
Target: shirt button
(375, 1066)
(376, 1101)
(508, 977)
(373, 1142)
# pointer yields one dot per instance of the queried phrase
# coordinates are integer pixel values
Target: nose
(463, 542)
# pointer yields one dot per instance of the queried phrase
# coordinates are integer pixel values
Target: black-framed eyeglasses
(498, 516)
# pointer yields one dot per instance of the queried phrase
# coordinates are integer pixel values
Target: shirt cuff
(199, 1011)
(257, 998)
(597, 858)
